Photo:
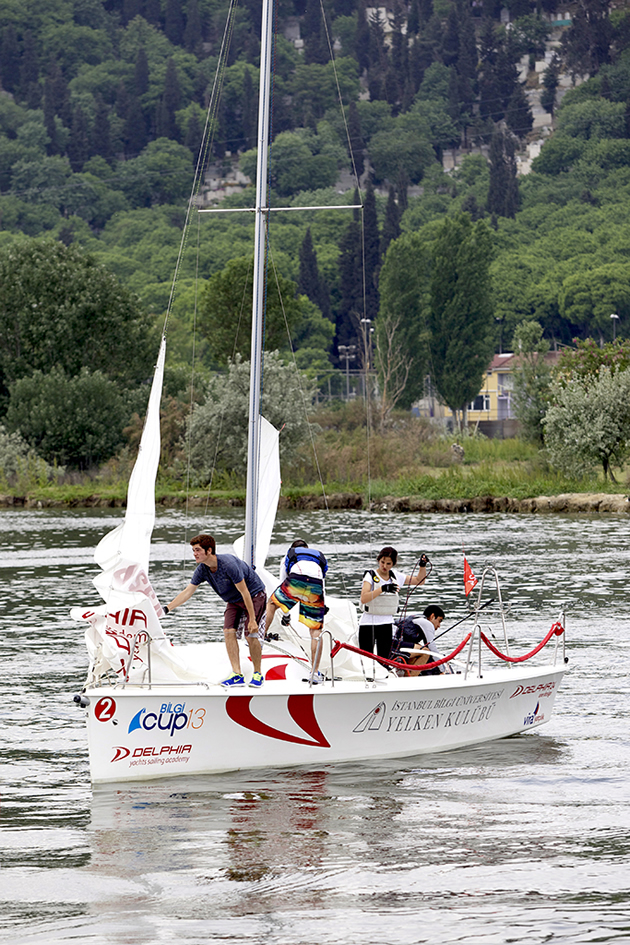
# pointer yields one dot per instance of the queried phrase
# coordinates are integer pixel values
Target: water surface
(523, 840)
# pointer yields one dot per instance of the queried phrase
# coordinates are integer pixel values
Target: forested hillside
(102, 108)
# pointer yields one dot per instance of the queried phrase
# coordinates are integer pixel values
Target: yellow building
(492, 410)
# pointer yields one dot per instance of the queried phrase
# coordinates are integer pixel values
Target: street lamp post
(349, 353)
(615, 319)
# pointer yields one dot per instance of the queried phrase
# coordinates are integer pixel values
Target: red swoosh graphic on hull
(277, 672)
(300, 709)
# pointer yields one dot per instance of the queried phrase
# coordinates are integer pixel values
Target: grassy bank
(408, 460)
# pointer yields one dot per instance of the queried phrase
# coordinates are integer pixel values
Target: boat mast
(258, 306)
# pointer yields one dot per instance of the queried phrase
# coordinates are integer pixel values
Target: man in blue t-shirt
(244, 593)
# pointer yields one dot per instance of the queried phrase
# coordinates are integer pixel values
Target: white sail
(130, 615)
(131, 540)
(268, 487)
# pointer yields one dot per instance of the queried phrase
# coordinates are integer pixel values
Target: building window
(481, 402)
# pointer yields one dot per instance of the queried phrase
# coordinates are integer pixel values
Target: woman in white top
(379, 600)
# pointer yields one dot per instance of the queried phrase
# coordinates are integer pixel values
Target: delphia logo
(171, 718)
(535, 716)
(151, 754)
(542, 690)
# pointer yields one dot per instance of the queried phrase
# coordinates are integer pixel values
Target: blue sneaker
(257, 680)
(232, 682)
(315, 679)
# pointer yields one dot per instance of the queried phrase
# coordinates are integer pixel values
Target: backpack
(305, 554)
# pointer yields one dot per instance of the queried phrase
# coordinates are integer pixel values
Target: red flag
(469, 578)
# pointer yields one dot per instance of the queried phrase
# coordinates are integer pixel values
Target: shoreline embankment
(571, 502)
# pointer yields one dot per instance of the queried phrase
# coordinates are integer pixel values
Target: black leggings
(381, 633)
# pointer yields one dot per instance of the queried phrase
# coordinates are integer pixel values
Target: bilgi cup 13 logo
(171, 718)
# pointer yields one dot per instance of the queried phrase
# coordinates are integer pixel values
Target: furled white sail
(268, 494)
(131, 540)
(120, 629)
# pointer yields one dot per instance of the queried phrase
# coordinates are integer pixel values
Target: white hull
(140, 733)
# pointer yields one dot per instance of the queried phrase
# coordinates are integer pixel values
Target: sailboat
(156, 710)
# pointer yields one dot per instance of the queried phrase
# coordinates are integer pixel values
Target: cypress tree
(101, 132)
(9, 59)
(249, 111)
(170, 102)
(355, 143)
(141, 73)
(350, 264)
(371, 252)
(193, 31)
(503, 189)
(512, 197)
(391, 226)
(135, 128)
(497, 190)
(59, 93)
(49, 118)
(362, 39)
(413, 19)
(460, 316)
(29, 72)
(174, 22)
(310, 282)
(450, 39)
(122, 101)
(489, 98)
(425, 11)
(194, 134)
(551, 80)
(402, 190)
(131, 9)
(377, 57)
(153, 12)
(518, 114)
(79, 141)
(308, 278)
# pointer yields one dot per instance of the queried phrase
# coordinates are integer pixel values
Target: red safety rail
(407, 667)
(556, 629)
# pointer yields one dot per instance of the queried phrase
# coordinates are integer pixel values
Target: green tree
(593, 119)
(218, 427)
(161, 174)
(9, 58)
(299, 160)
(532, 379)
(18, 459)
(584, 362)
(59, 307)
(310, 283)
(461, 318)
(503, 185)
(225, 311)
(588, 423)
(551, 81)
(75, 421)
(402, 334)
(589, 296)
(391, 225)
(350, 262)
(406, 148)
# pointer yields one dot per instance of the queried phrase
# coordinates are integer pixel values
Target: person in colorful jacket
(302, 582)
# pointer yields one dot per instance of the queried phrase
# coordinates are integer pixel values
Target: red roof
(510, 361)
